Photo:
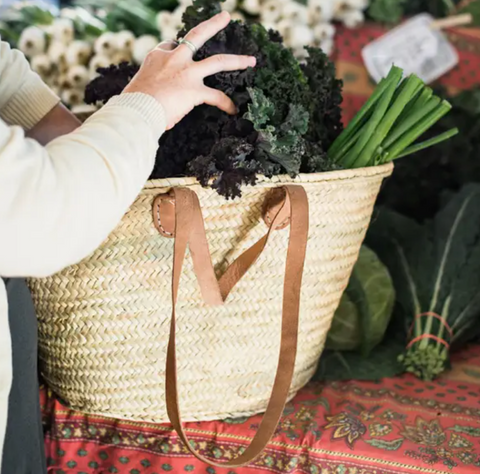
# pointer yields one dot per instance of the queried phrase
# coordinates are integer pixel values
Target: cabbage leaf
(366, 307)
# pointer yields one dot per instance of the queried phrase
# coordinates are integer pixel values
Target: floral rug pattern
(397, 426)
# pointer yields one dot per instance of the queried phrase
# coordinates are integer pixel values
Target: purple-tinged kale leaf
(228, 166)
(111, 81)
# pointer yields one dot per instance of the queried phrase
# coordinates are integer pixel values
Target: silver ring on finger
(189, 44)
(167, 46)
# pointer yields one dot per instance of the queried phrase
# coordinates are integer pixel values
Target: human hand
(176, 81)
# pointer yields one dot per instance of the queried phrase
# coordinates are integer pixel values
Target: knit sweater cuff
(30, 103)
(147, 106)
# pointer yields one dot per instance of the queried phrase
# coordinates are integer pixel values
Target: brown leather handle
(189, 230)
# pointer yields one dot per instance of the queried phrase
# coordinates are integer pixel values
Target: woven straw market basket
(105, 323)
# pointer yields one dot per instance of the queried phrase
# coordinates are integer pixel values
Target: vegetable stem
(421, 98)
(384, 122)
(428, 143)
(385, 128)
(411, 120)
(355, 123)
(441, 329)
(441, 269)
(346, 147)
(378, 114)
(408, 138)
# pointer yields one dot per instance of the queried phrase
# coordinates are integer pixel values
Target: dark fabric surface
(23, 450)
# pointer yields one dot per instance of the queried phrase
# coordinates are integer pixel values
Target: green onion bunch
(386, 127)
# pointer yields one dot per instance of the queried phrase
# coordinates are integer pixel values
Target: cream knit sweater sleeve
(58, 203)
(24, 98)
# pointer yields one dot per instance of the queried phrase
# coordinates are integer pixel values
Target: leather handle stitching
(280, 226)
(159, 220)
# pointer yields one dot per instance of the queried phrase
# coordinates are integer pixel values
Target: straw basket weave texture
(104, 323)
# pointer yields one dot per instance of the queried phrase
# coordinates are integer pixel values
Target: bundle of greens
(20, 17)
(289, 114)
(398, 112)
(436, 272)
(15, 20)
(417, 186)
(392, 11)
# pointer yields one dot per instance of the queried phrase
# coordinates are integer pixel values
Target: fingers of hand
(223, 62)
(218, 99)
(203, 32)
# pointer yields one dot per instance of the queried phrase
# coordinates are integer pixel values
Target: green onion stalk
(386, 128)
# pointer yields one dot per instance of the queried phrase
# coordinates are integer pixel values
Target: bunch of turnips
(67, 64)
(309, 23)
(67, 49)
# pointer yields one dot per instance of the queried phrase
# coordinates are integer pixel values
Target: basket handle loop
(189, 230)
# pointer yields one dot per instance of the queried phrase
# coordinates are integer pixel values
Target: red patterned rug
(398, 426)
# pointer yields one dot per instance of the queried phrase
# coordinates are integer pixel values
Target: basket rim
(381, 171)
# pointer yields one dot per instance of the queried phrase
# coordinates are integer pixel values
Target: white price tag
(415, 47)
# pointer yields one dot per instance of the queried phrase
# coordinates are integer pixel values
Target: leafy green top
(435, 268)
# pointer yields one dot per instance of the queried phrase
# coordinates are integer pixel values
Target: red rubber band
(428, 336)
(434, 315)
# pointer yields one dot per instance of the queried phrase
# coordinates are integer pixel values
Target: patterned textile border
(398, 426)
(357, 84)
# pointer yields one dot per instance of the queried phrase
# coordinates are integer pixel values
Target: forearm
(61, 201)
(58, 122)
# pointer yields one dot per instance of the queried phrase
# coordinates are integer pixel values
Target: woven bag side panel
(104, 323)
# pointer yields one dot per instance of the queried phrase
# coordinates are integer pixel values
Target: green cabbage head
(366, 307)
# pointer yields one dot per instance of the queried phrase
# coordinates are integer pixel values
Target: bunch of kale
(289, 113)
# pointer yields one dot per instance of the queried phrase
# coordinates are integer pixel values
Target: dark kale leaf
(283, 144)
(110, 82)
(198, 12)
(381, 362)
(228, 165)
(324, 98)
(435, 267)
